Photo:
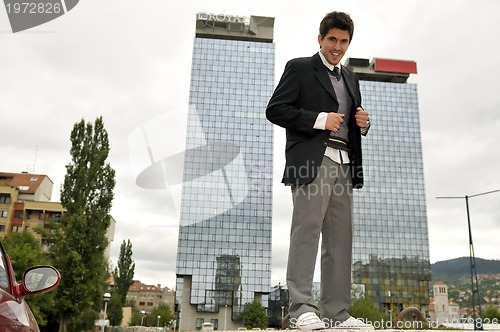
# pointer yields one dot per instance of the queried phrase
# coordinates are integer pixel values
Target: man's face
(334, 45)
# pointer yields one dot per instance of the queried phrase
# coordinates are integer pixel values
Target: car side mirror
(40, 279)
(36, 280)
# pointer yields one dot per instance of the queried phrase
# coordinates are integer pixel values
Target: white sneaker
(309, 321)
(354, 323)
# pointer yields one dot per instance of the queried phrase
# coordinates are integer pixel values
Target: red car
(15, 314)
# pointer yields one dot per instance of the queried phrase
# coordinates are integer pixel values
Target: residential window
(3, 214)
(19, 214)
(16, 229)
(4, 199)
(55, 216)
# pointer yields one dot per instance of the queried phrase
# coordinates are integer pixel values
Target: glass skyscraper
(224, 248)
(391, 245)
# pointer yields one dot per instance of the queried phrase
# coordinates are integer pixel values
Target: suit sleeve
(282, 110)
(363, 131)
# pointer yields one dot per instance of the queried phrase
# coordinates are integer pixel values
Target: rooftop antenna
(33, 165)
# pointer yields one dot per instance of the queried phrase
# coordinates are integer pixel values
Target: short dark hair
(337, 20)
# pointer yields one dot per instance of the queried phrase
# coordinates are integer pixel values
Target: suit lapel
(324, 79)
(322, 76)
(349, 82)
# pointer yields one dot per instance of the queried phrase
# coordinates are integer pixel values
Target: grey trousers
(324, 207)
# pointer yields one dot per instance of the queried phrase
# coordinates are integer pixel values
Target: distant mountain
(453, 269)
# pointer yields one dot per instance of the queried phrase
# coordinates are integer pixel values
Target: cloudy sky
(130, 61)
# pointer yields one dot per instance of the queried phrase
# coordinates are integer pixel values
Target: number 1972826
(33, 8)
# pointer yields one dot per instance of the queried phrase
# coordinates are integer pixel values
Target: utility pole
(478, 324)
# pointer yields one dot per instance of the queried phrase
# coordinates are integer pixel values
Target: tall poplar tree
(80, 241)
(124, 272)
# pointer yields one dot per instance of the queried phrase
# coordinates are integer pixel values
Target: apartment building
(25, 205)
(148, 297)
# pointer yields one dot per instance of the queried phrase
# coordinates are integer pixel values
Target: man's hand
(333, 121)
(361, 117)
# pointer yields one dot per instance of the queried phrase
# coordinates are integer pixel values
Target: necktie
(335, 72)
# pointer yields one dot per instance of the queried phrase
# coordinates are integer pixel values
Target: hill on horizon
(453, 269)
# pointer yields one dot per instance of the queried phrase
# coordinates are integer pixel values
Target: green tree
(365, 309)
(80, 238)
(114, 309)
(84, 321)
(165, 313)
(255, 316)
(491, 313)
(136, 319)
(24, 251)
(124, 272)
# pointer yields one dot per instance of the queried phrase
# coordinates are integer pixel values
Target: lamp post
(390, 305)
(106, 297)
(225, 317)
(282, 314)
(143, 314)
(158, 321)
(478, 325)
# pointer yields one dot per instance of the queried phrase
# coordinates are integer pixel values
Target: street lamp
(143, 314)
(478, 325)
(158, 321)
(106, 297)
(390, 305)
(225, 317)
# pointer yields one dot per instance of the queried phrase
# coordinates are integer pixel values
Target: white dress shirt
(338, 156)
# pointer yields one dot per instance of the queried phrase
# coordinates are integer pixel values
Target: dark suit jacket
(303, 92)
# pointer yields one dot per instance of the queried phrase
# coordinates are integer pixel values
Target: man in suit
(318, 101)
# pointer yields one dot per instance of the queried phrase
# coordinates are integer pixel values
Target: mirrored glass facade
(391, 245)
(224, 248)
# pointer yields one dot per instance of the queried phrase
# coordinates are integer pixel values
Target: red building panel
(395, 66)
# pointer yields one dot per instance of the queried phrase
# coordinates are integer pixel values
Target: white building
(441, 309)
